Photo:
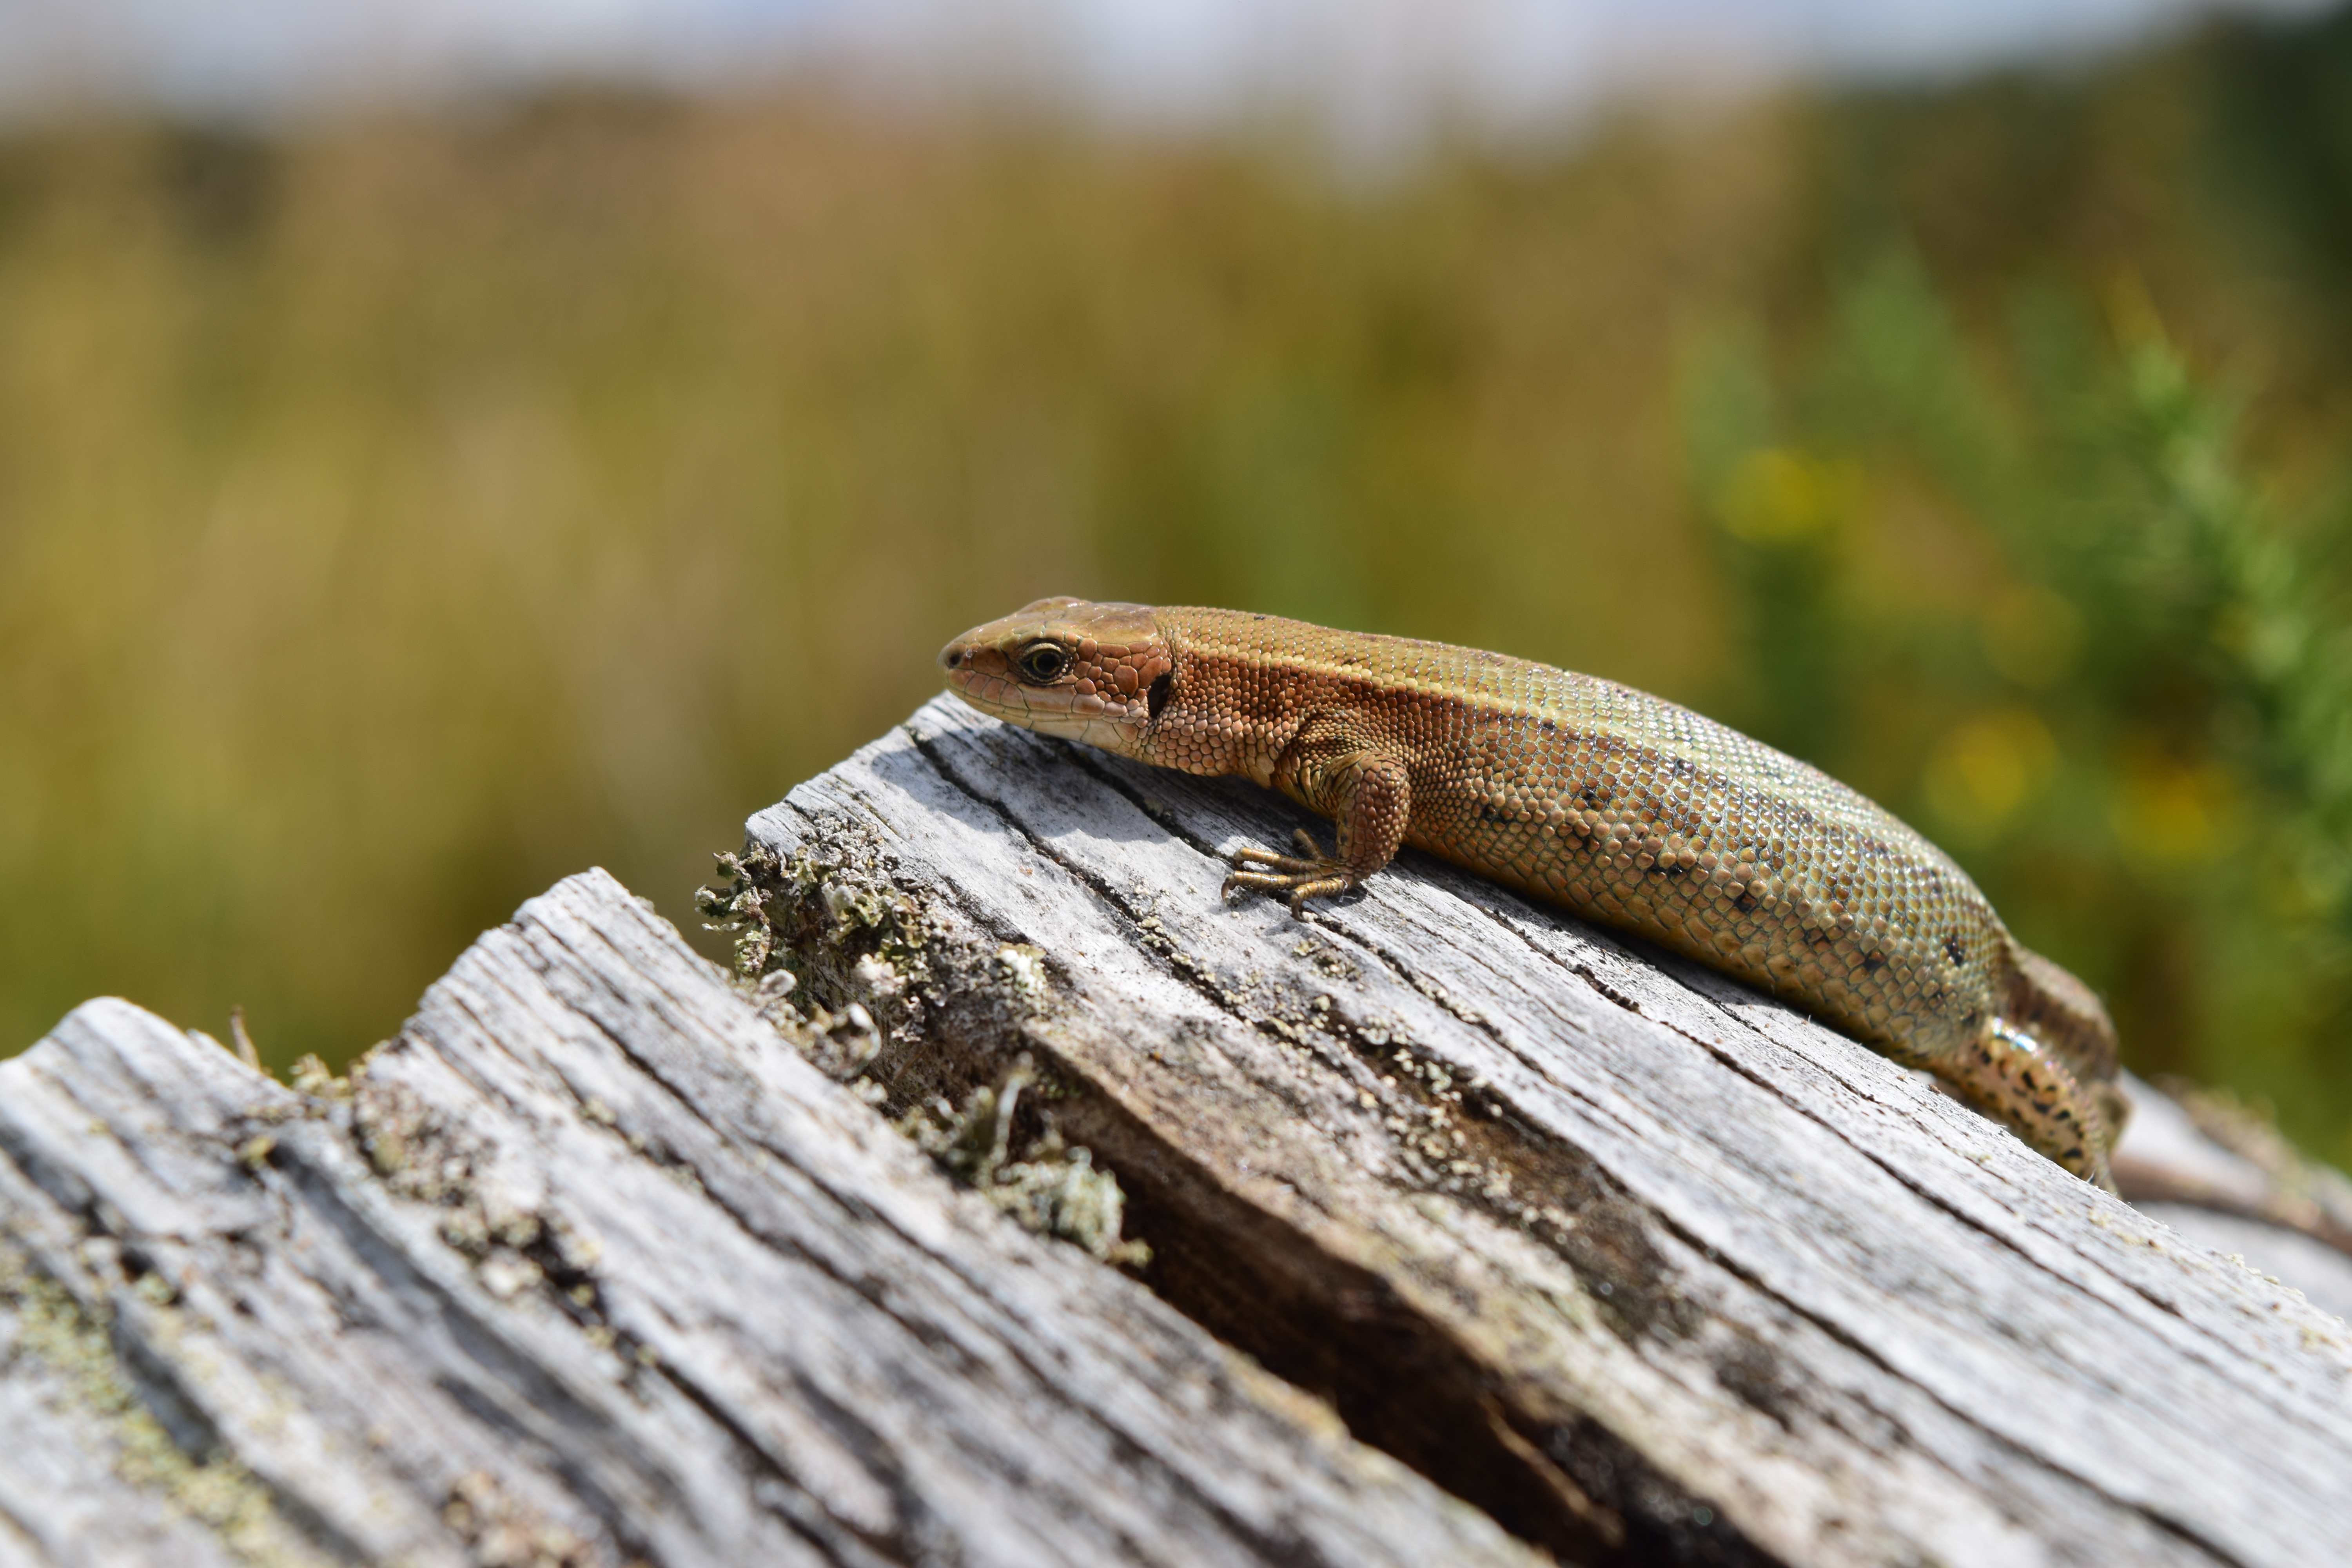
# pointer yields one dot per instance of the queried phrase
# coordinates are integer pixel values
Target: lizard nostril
(953, 658)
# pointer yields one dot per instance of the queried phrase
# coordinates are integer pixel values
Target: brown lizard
(1608, 801)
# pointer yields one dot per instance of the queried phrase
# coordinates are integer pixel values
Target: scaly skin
(1605, 801)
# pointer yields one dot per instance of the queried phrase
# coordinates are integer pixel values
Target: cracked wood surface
(1648, 1266)
(592, 1267)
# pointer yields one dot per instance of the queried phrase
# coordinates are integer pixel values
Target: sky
(1371, 68)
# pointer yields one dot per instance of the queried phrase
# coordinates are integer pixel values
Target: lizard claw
(1309, 874)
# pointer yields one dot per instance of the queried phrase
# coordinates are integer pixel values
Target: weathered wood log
(609, 1258)
(590, 1266)
(1642, 1263)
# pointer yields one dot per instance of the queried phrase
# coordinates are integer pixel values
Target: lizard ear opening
(1161, 689)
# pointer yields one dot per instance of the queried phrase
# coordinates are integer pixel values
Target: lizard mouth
(1064, 666)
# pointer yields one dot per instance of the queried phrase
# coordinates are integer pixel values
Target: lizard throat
(1057, 710)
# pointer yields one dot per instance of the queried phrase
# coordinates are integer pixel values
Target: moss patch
(73, 1343)
(1053, 1189)
(859, 943)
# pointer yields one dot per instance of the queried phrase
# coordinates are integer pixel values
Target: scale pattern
(1603, 800)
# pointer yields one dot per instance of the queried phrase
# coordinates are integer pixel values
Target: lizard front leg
(1367, 793)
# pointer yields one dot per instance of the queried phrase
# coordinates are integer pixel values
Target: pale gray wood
(592, 1265)
(2321, 1272)
(2222, 1199)
(1725, 1284)
(60, 1499)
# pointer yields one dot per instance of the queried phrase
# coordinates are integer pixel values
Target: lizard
(1600, 799)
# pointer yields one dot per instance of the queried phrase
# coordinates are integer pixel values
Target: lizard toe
(1321, 888)
(1300, 880)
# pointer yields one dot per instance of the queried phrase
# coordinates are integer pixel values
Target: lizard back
(1613, 803)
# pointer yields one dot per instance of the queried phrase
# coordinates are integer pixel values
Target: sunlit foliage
(2129, 712)
(397, 514)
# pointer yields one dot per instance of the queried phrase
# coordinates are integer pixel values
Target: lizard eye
(1044, 663)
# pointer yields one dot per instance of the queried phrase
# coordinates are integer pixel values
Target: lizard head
(1096, 673)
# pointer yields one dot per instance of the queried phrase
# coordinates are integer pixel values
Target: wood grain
(590, 1266)
(1644, 1264)
(1475, 1235)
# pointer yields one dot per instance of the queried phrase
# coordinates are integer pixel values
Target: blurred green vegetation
(2128, 708)
(399, 513)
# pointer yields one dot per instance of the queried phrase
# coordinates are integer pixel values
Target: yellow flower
(1774, 496)
(1987, 766)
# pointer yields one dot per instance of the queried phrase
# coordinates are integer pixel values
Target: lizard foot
(1311, 874)
(2012, 1077)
